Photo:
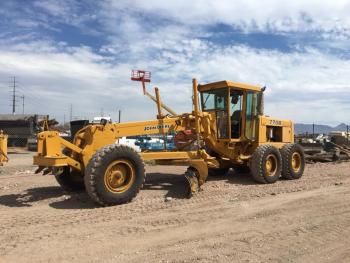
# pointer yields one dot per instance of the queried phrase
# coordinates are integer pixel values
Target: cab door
(251, 115)
(216, 101)
(236, 102)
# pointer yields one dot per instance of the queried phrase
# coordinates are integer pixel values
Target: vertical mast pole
(196, 110)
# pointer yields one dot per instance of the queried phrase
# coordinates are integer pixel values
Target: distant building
(21, 127)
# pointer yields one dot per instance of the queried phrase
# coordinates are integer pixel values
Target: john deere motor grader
(229, 131)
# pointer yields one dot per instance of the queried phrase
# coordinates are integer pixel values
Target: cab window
(217, 100)
(236, 102)
(251, 115)
(214, 99)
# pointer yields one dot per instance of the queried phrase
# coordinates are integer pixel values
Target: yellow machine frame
(3, 148)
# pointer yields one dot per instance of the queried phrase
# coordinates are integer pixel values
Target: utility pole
(101, 112)
(22, 97)
(14, 96)
(64, 120)
(120, 116)
(71, 112)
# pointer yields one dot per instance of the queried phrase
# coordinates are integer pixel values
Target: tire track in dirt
(144, 206)
(148, 214)
(309, 234)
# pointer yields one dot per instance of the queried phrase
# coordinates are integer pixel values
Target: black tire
(95, 175)
(70, 180)
(261, 156)
(192, 178)
(217, 171)
(292, 154)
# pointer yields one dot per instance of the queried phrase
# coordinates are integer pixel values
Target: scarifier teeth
(57, 170)
(47, 171)
(40, 168)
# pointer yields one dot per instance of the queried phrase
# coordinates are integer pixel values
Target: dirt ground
(232, 220)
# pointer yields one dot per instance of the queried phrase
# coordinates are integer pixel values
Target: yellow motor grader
(229, 130)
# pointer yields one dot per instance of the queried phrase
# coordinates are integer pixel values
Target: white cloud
(55, 76)
(249, 15)
(167, 37)
(66, 11)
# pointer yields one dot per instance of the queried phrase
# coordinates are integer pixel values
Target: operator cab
(235, 106)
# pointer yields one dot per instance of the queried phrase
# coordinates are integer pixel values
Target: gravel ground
(232, 220)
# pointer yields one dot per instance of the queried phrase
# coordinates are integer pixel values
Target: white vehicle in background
(124, 140)
(129, 142)
(97, 120)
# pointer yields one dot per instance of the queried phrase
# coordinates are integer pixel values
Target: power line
(33, 98)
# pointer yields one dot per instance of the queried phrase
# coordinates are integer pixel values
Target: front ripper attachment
(3, 148)
(51, 153)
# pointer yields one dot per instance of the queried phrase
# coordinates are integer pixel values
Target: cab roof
(227, 83)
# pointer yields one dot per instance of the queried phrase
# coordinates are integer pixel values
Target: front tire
(114, 175)
(293, 161)
(265, 164)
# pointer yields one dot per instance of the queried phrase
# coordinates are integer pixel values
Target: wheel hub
(119, 176)
(271, 165)
(296, 162)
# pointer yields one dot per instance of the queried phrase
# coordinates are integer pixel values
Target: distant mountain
(300, 128)
(341, 127)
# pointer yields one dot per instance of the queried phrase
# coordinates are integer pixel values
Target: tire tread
(286, 153)
(257, 162)
(91, 175)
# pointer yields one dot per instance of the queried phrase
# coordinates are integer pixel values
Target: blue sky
(81, 53)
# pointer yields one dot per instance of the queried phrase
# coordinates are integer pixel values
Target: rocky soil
(232, 219)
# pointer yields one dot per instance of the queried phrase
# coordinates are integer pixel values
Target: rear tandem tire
(70, 180)
(265, 164)
(293, 161)
(114, 175)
